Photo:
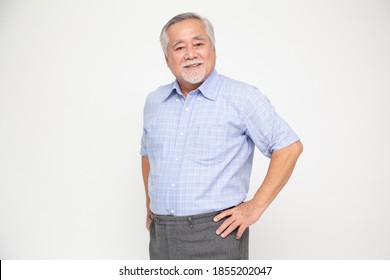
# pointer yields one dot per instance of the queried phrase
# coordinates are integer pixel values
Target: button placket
(180, 142)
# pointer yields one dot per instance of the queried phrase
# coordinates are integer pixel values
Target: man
(197, 151)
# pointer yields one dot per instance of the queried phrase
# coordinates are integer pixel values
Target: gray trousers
(194, 238)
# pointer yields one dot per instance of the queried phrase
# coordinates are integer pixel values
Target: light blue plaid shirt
(200, 148)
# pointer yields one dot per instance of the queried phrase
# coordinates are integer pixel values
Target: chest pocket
(209, 143)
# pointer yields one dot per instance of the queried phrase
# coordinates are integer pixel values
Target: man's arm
(145, 176)
(247, 213)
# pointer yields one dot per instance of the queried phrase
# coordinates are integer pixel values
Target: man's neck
(187, 88)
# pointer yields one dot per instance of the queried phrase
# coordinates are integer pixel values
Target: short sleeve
(143, 150)
(264, 126)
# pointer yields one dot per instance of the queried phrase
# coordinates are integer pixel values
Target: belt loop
(191, 222)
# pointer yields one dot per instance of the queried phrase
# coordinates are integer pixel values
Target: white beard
(194, 75)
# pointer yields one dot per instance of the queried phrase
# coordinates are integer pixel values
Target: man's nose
(190, 53)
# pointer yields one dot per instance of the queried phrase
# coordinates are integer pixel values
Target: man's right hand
(149, 218)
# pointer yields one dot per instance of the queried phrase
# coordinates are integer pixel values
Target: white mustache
(191, 62)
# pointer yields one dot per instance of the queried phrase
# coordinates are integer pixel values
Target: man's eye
(199, 44)
(179, 49)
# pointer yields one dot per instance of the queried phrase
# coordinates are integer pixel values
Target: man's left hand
(241, 217)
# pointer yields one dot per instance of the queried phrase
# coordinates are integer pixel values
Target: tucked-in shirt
(200, 147)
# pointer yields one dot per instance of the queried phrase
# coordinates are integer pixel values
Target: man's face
(191, 56)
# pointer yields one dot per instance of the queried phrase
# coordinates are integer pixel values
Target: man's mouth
(193, 65)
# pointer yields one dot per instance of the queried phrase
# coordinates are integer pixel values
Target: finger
(222, 215)
(230, 229)
(148, 223)
(224, 225)
(241, 231)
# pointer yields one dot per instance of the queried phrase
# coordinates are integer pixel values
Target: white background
(74, 76)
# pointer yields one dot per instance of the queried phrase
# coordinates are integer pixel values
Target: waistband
(174, 220)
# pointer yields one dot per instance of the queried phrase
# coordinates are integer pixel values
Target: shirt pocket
(209, 143)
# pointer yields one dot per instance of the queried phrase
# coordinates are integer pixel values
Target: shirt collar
(207, 88)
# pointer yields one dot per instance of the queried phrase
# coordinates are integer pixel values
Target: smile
(193, 65)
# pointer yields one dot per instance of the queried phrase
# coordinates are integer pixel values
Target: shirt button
(177, 158)
(181, 133)
(187, 109)
(172, 185)
(177, 99)
(172, 211)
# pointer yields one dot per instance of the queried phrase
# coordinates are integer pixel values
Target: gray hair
(164, 40)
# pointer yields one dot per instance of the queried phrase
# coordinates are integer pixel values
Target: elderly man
(197, 151)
